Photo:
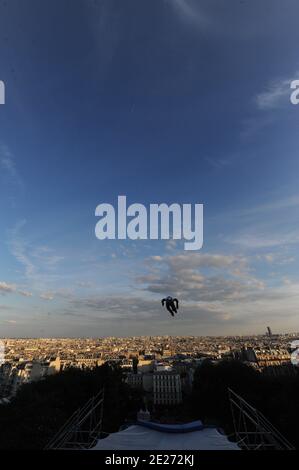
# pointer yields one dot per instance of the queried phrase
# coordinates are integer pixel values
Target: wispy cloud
(268, 207)
(18, 249)
(34, 259)
(46, 296)
(85, 284)
(267, 225)
(7, 288)
(39, 262)
(262, 237)
(25, 293)
(8, 165)
(276, 94)
(274, 205)
(222, 162)
(190, 11)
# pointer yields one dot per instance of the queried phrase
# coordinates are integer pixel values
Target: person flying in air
(172, 305)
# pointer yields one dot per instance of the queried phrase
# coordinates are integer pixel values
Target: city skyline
(264, 334)
(167, 101)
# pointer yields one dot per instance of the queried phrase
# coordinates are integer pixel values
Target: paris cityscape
(141, 358)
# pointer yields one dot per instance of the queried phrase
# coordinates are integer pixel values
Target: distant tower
(269, 331)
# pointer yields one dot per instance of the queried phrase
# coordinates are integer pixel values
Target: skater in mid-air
(172, 305)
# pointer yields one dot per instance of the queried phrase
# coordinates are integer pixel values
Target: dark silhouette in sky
(172, 305)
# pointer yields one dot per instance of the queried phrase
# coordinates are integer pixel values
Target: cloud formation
(190, 11)
(46, 296)
(7, 288)
(201, 277)
(276, 94)
(4, 287)
(8, 166)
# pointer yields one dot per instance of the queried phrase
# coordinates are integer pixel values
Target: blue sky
(164, 101)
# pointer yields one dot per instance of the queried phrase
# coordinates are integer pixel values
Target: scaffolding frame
(252, 430)
(83, 428)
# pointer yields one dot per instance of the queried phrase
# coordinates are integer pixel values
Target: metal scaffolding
(252, 430)
(83, 428)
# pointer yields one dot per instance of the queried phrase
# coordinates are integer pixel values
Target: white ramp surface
(137, 437)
